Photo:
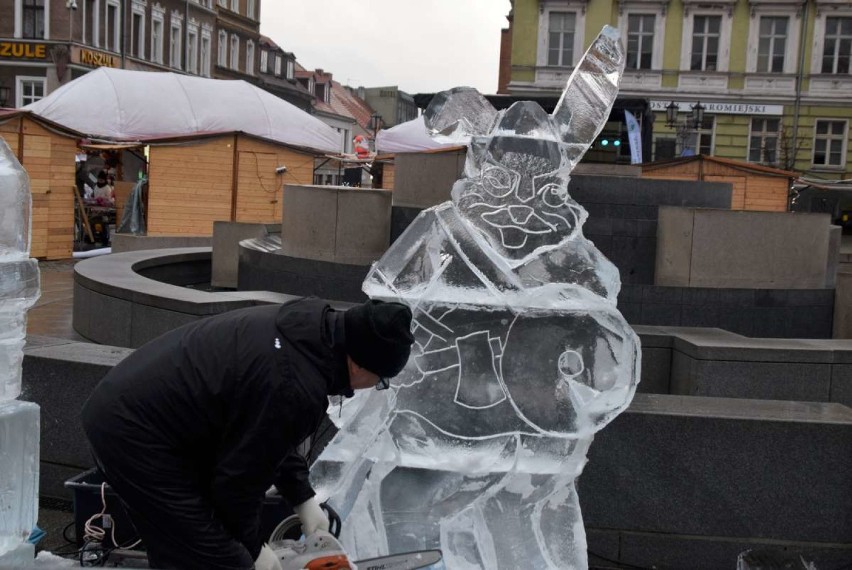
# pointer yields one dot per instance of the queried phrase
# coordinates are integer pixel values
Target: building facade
(393, 105)
(277, 74)
(46, 43)
(773, 77)
(237, 39)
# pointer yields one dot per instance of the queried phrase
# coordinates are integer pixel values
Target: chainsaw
(319, 551)
(322, 551)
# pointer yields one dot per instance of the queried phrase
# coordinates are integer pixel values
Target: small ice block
(19, 472)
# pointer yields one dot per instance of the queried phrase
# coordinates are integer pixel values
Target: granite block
(656, 370)
(598, 226)
(632, 292)
(718, 467)
(60, 386)
(602, 546)
(401, 218)
(841, 384)
(632, 312)
(801, 382)
(671, 552)
(625, 227)
(811, 322)
(658, 294)
(700, 296)
(811, 297)
(736, 297)
(699, 315)
(646, 228)
(660, 314)
(771, 298)
(101, 318)
(147, 323)
(771, 322)
(735, 319)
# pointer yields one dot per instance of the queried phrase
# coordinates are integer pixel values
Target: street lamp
(696, 116)
(690, 128)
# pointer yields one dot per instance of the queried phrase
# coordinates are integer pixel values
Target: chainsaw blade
(403, 561)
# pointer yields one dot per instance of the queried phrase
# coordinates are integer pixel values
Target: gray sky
(419, 45)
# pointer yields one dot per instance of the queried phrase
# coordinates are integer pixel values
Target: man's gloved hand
(312, 516)
(267, 560)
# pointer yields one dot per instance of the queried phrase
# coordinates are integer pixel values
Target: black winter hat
(378, 336)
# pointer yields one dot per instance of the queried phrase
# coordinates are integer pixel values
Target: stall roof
(736, 164)
(127, 105)
(410, 136)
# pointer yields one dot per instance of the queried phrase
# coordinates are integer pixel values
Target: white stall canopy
(410, 136)
(140, 105)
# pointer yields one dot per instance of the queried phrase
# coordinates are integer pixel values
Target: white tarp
(407, 137)
(141, 105)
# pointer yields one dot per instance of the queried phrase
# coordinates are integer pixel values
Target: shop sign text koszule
(97, 58)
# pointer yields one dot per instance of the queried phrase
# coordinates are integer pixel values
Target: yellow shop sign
(98, 59)
(21, 50)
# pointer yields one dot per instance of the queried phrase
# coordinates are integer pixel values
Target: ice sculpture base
(19, 466)
(20, 556)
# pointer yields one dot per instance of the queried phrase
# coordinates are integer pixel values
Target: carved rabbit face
(517, 195)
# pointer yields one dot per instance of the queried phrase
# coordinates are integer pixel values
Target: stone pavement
(51, 315)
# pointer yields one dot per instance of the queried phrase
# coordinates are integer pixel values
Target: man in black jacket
(192, 428)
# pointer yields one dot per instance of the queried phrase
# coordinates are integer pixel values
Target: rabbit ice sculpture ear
(589, 95)
(456, 115)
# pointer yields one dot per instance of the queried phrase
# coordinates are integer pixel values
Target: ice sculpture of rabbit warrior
(520, 356)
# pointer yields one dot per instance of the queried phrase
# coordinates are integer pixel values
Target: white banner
(634, 137)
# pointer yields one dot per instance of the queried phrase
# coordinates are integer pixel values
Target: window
(91, 22)
(772, 45)
(291, 69)
(264, 61)
(705, 136)
(250, 57)
(175, 45)
(560, 39)
(323, 92)
(837, 45)
(29, 90)
(235, 6)
(223, 3)
(205, 53)
(192, 51)
(33, 19)
(829, 143)
(705, 43)
(763, 141)
(137, 33)
(112, 27)
(250, 9)
(235, 51)
(157, 38)
(223, 49)
(278, 65)
(640, 41)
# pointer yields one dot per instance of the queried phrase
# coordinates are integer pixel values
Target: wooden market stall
(755, 187)
(47, 152)
(193, 182)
